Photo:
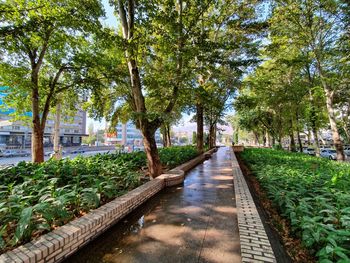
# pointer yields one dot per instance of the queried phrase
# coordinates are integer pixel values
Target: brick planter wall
(64, 241)
(238, 148)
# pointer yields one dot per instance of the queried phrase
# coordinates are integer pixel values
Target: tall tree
(316, 26)
(42, 56)
(226, 37)
(135, 17)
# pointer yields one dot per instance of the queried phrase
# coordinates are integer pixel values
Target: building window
(76, 131)
(16, 128)
(66, 130)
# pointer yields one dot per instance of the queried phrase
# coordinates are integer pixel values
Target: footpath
(210, 218)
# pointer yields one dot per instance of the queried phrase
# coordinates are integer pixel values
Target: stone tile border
(255, 245)
(65, 240)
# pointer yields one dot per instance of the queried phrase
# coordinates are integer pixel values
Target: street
(15, 160)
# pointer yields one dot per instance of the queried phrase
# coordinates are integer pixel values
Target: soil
(286, 247)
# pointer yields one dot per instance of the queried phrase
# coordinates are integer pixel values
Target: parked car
(9, 153)
(329, 153)
(78, 150)
(22, 153)
(51, 153)
(347, 151)
(309, 151)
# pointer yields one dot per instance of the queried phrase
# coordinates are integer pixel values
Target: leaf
(341, 254)
(23, 224)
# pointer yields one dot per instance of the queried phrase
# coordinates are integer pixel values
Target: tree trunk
(316, 142)
(137, 102)
(37, 145)
(168, 135)
(38, 128)
(298, 132)
(322, 140)
(153, 160)
(212, 137)
(331, 115)
(291, 136)
(256, 138)
(200, 133)
(292, 142)
(300, 143)
(165, 143)
(280, 140)
(264, 139)
(268, 139)
(332, 120)
(308, 137)
(56, 138)
(313, 121)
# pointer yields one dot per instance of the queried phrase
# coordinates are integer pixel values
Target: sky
(110, 20)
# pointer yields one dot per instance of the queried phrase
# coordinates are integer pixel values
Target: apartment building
(18, 134)
(127, 134)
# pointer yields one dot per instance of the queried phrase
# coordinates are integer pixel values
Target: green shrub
(313, 193)
(35, 198)
(176, 155)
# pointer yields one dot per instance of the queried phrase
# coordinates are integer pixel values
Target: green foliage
(173, 156)
(313, 194)
(35, 198)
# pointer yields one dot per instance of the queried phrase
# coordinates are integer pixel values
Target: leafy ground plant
(36, 198)
(313, 193)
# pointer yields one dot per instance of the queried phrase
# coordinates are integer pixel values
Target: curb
(60, 243)
(255, 244)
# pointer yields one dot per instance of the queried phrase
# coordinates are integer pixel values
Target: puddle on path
(108, 243)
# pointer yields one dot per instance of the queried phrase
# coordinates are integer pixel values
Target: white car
(347, 151)
(329, 153)
(309, 151)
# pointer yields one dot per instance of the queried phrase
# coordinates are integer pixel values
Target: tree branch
(123, 18)
(131, 16)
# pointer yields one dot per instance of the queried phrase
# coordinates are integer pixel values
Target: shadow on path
(194, 222)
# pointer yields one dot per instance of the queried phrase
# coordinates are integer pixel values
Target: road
(15, 160)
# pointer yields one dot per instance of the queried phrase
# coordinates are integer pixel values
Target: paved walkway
(196, 222)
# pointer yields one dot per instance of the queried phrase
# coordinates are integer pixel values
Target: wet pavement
(194, 222)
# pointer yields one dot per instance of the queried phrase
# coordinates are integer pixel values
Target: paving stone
(251, 229)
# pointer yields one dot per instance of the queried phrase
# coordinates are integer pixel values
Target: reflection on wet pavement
(195, 222)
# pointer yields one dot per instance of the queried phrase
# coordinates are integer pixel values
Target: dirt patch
(286, 247)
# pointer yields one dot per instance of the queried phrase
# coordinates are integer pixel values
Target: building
(127, 134)
(18, 134)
